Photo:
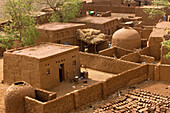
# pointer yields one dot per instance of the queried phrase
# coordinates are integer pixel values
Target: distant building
(43, 65)
(60, 33)
(107, 25)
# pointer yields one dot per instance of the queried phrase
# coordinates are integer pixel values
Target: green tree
(152, 12)
(62, 10)
(22, 25)
(159, 8)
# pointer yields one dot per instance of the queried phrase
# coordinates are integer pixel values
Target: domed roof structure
(14, 97)
(126, 38)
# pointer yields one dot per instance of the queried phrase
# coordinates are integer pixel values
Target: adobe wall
(139, 11)
(21, 68)
(162, 73)
(154, 42)
(164, 52)
(114, 51)
(44, 95)
(104, 63)
(145, 51)
(62, 104)
(136, 57)
(132, 57)
(100, 46)
(88, 94)
(144, 31)
(52, 64)
(33, 105)
(125, 79)
(85, 96)
(147, 59)
(59, 36)
(112, 8)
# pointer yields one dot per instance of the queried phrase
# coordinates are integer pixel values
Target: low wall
(162, 72)
(88, 94)
(62, 104)
(33, 105)
(108, 52)
(125, 79)
(85, 96)
(112, 8)
(44, 95)
(138, 58)
(115, 52)
(105, 64)
(132, 57)
(145, 51)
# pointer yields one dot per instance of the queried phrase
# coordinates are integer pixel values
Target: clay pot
(126, 38)
(14, 97)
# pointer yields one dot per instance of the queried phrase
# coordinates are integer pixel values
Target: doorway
(61, 72)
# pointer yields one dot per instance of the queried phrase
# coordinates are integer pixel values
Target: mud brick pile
(137, 101)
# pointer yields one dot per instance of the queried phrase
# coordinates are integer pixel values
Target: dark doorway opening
(109, 32)
(61, 72)
(139, 3)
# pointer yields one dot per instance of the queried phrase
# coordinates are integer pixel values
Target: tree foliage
(63, 10)
(157, 9)
(22, 25)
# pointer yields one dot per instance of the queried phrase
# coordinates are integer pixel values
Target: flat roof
(94, 20)
(54, 26)
(157, 32)
(163, 25)
(43, 50)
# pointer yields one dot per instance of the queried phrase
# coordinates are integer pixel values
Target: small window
(74, 62)
(47, 71)
(58, 41)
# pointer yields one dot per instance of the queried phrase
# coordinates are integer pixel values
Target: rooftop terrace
(54, 26)
(43, 50)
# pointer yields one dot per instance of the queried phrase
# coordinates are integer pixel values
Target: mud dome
(14, 97)
(126, 38)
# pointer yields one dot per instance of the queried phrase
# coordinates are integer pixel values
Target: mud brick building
(107, 25)
(112, 2)
(62, 33)
(139, 11)
(43, 66)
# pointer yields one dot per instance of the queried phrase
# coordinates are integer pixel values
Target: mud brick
(108, 104)
(142, 110)
(162, 109)
(151, 109)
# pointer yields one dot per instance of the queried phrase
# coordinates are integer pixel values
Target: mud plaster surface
(3, 87)
(94, 77)
(62, 89)
(161, 88)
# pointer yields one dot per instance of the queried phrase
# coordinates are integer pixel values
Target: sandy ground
(94, 77)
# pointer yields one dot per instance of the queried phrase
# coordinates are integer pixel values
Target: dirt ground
(161, 88)
(94, 77)
(62, 89)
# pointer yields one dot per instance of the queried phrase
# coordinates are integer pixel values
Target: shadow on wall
(105, 64)
(89, 94)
